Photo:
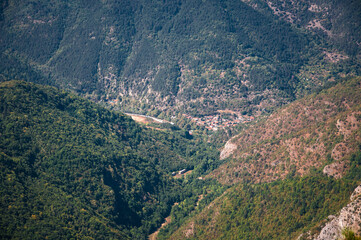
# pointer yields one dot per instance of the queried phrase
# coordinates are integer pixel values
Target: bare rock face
(332, 230)
(356, 193)
(228, 149)
(349, 217)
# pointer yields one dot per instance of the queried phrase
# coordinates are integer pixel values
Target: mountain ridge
(307, 133)
(174, 56)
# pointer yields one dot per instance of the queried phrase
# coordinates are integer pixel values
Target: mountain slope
(175, 55)
(278, 210)
(333, 20)
(289, 172)
(312, 132)
(347, 223)
(72, 169)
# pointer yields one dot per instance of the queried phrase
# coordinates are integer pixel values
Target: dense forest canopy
(112, 174)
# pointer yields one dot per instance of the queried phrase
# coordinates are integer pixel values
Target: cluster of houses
(215, 122)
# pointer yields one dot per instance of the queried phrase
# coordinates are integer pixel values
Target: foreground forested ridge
(278, 210)
(72, 169)
(193, 57)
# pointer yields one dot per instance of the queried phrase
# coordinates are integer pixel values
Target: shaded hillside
(72, 169)
(174, 54)
(332, 20)
(318, 130)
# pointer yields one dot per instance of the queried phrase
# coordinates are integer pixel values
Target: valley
(181, 119)
(215, 122)
(146, 119)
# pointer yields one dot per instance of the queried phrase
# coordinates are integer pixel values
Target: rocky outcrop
(336, 169)
(349, 217)
(356, 193)
(228, 149)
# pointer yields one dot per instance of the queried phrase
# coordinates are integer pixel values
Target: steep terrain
(318, 131)
(177, 57)
(72, 169)
(349, 218)
(278, 210)
(334, 20)
(288, 173)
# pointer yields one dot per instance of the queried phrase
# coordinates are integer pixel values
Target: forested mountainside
(187, 56)
(72, 169)
(289, 172)
(295, 208)
(282, 77)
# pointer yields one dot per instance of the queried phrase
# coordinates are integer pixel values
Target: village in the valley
(215, 122)
(221, 120)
